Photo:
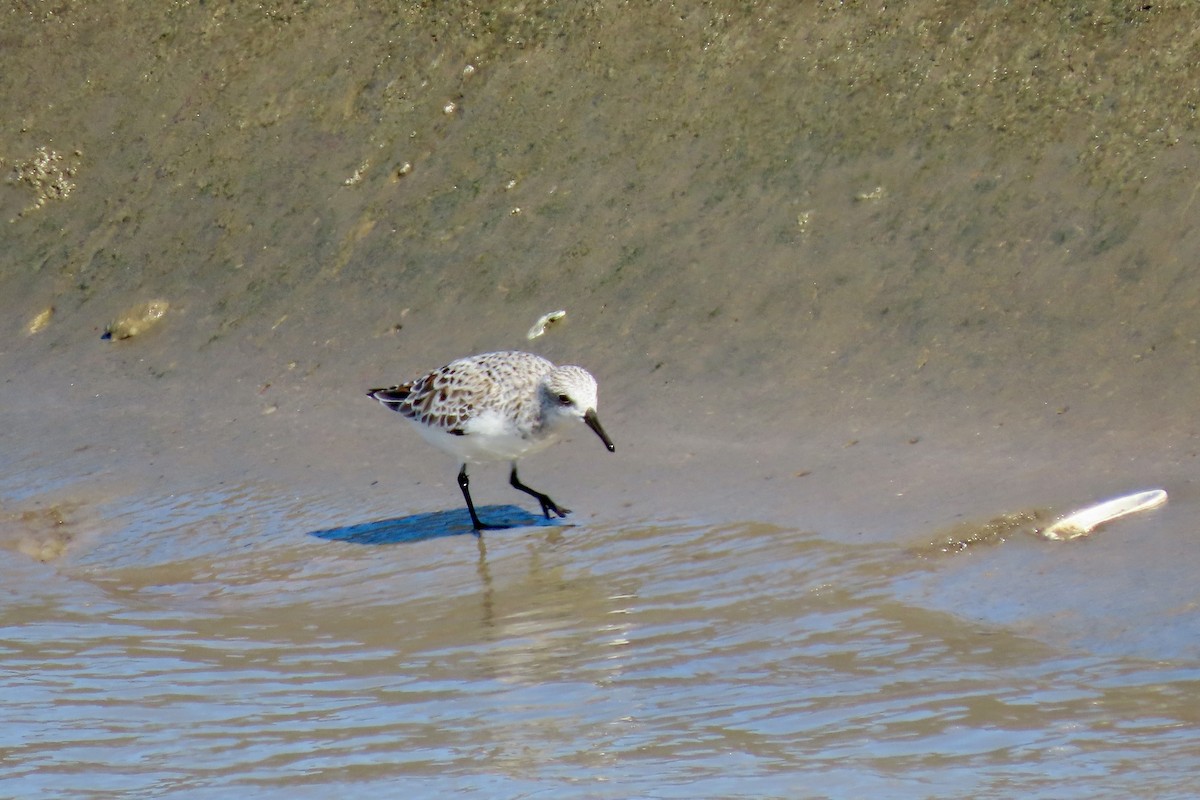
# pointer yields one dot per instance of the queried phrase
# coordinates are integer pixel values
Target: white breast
(490, 436)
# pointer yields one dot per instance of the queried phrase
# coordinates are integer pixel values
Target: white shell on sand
(1086, 520)
(543, 323)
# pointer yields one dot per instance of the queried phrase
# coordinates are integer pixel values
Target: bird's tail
(392, 396)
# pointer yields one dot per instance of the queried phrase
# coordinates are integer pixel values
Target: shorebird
(497, 407)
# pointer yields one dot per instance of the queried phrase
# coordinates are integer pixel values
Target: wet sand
(848, 277)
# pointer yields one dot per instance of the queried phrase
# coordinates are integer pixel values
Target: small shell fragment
(1086, 520)
(543, 323)
(137, 320)
(39, 323)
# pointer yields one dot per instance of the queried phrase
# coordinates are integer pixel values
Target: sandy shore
(862, 272)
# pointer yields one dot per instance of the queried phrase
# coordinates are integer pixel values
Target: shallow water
(207, 657)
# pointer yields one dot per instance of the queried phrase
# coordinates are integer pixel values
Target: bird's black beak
(593, 422)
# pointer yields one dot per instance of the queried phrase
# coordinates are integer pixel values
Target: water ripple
(195, 655)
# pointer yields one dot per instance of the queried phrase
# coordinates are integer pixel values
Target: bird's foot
(550, 507)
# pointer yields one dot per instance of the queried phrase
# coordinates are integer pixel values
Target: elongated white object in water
(1086, 520)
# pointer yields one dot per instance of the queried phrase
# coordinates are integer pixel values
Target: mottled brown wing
(447, 398)
(441, 399)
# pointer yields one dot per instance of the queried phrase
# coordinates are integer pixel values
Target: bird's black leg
(464, 483)
(548, 505)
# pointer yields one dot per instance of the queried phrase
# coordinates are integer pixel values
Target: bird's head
(570, 393)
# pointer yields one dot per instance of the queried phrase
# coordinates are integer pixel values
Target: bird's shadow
(433, 525)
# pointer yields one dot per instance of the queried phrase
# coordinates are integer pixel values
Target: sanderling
(497, 407)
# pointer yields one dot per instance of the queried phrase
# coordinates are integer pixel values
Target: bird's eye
(564, 399)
